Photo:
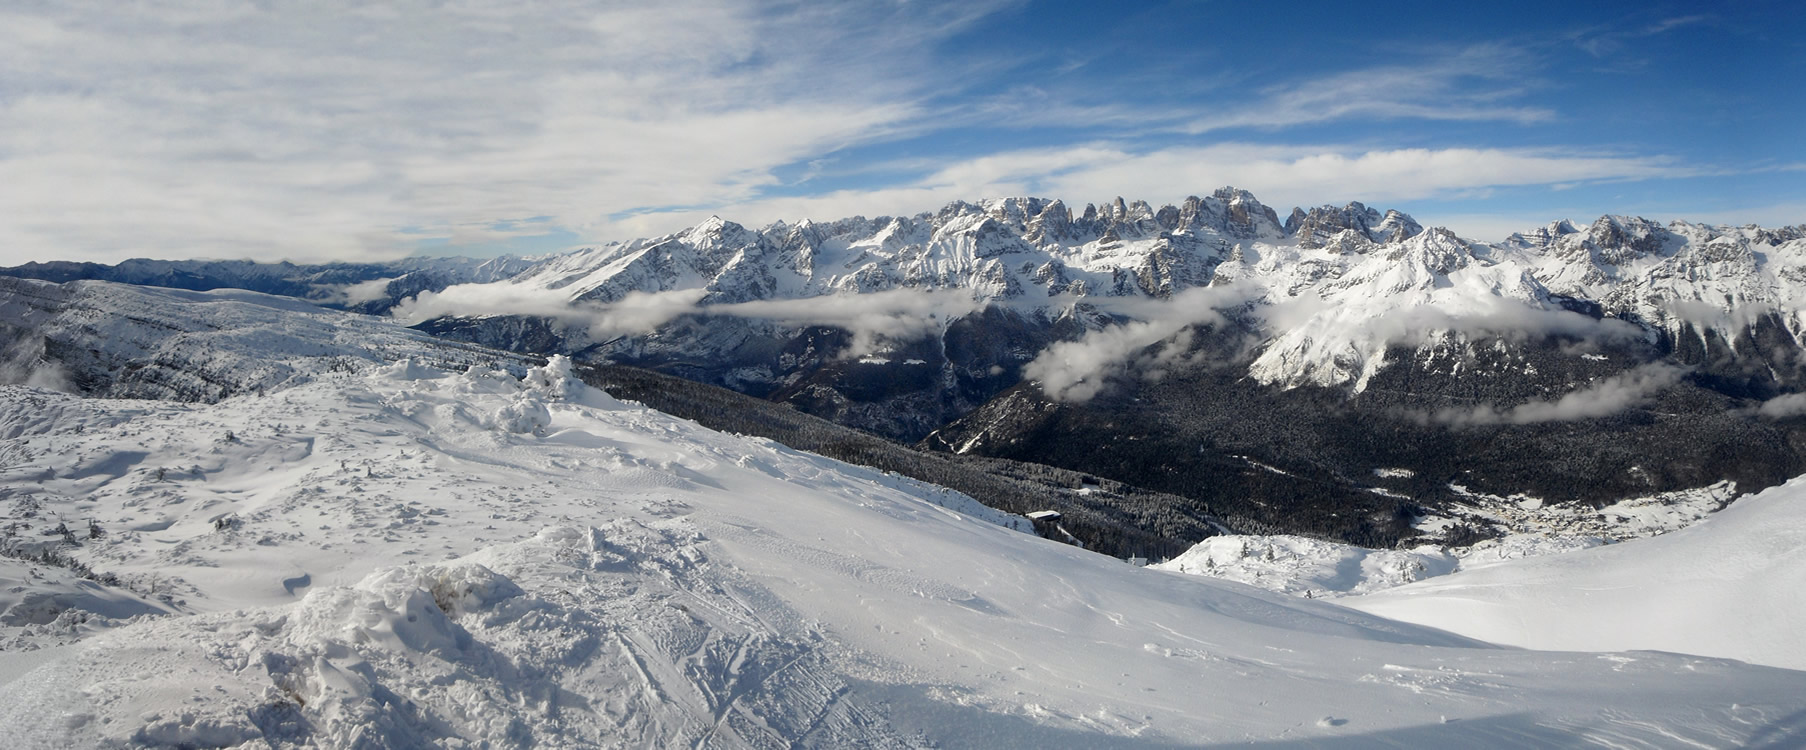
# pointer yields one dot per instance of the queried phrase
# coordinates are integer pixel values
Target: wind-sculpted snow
(378, 560)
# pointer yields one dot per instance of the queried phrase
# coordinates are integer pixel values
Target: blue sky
(326, 131)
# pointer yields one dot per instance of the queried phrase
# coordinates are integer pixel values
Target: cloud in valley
(1496, 316)
(1783, 407)
(1603, 398)
(895, 314)
(634, 313)
(1076, 371)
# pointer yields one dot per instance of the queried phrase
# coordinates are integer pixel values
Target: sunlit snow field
(407, 556)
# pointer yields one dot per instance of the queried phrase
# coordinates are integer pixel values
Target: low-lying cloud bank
(23, 362)
(1076, 371)
(1601, 399)
(1416, 325)
(1782, 407)
(637, 312)
(895, 315)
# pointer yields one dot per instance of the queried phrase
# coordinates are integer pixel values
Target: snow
(1521, 519)
(1526, 527)
(1309, 567)
(1335, 298)
(384, 560)
(43, 604)
(1724, 587)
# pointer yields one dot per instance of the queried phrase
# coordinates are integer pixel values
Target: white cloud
(337, 130)
(896, 314)
(1466, 86)
(1782, 407)
(1076, 371)
(635, 312)
(1601, 399)
(1280, 175)
(323, 130)
(1486, 317)
(1603, 42)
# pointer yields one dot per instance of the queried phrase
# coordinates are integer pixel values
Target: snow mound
(525, 414)
(1308, 567)
(45, 605)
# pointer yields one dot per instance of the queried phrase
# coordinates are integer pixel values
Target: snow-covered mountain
(407, 556)
(1333, 288)
(1329, 295)
(333, 531)
(365, 287)
(1191, 348)
(121, 341)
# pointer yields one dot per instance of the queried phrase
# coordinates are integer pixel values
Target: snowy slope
(408, 557)
(1728, 586)
(1523, 527)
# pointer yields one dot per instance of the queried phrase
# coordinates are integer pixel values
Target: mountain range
(1345, 369)
(273, 524)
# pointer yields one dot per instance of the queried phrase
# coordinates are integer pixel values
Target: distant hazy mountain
(364, 287)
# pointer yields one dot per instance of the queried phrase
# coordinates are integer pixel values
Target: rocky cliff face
(1320, 227)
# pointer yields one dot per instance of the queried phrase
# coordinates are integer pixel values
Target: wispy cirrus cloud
(333, 130)
(325, 130)
(1604, 41)
(1281, 175)
(1474, 84)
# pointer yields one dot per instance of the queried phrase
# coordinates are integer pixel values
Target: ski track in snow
(412, 558)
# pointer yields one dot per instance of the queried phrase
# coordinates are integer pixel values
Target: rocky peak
(1295, 221)
(1015, 211)
(1244, 217)
(1621, 239)
(1167, 218)
(1437, 251)
(1396, 227)
(953, 211)
(1053, 224)
(1318, 227)
(1778, 236)
(1544, 236)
